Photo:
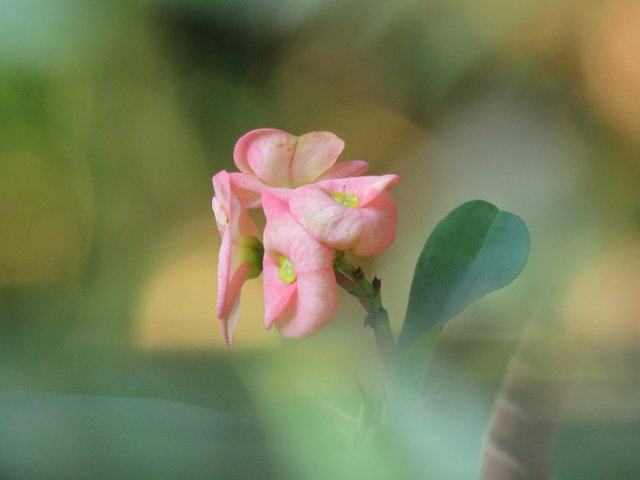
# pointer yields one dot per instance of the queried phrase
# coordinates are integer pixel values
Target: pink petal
(316, 305)
(281, 193)
(230, 279)
(220, 214)
(364, 188)
(371, 190)
(378, 224)
(224, 276)
(227, 202)
(315, 153)
(274, 206)
(283, 234)
(315, 302)
(222, 190)
(278, 295)
(236, 229)
(228, 325)
(268, 154)
(352, 168)
(247, 188)
(326, 220)
(229, 287)
(366, 229)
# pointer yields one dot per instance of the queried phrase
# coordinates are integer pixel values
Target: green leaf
(45, 435)
(474, 250)
(415, 364)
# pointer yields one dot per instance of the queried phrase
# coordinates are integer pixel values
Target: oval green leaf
(473, 251)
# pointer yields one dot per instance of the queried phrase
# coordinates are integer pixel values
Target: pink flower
(348, 214)
(279, 159)
(247, 189)
(240, 252)
(300, 290)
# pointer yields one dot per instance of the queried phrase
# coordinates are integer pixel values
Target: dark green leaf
(474, 250)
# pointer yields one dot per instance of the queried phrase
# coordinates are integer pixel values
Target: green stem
(353, 280)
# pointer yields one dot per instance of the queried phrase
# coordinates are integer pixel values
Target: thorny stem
(353, 280)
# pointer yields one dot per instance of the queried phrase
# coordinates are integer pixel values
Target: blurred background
(114, 115)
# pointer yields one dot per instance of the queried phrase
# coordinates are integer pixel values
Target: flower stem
(353, 280)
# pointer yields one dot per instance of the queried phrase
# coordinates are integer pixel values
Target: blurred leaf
(45, 435)
(416, 363)
(474, 250)
(43, 36)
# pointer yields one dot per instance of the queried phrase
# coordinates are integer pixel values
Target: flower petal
(278, 295)
(352, 168)
(326, 220)
(230, 277)
(267, 153)
(220, 214)
(228, 325)
(316, 305)
(367, 228)
(283, 235)
(315, 153)
(224, 276)
(282, 193)
(222, 191)
(239, 251)
(274, 206)
(315, 302)
(247, 188)
(378, 224)
(370, 190)
(227, 206)
(364, 188)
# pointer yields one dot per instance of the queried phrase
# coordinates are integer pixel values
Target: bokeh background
(114, 115)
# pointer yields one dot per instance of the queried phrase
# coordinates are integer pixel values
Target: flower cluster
(313, 207)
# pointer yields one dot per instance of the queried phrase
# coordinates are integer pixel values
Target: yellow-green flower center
(286, 272)
(342, 198)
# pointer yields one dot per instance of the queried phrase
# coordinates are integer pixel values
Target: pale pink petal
(220, 213)
(267, 153)
(274, 206)
(230, 279)
(224, 276)
(366, 229)
(364, 188)
(315, 153)
(316, 305)
(352, 168)
(378, 223)
(228, 325)
(238, 251)
(281, 193)
(247, 188)
(285, 235)
(230, 309)
(371, 190)
(246, 144)
(229, 287)
(222, 190)
(227, 205)
(315, 301)
(326, 220)
(278, 295)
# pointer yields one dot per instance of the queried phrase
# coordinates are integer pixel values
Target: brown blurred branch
(528, 408)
